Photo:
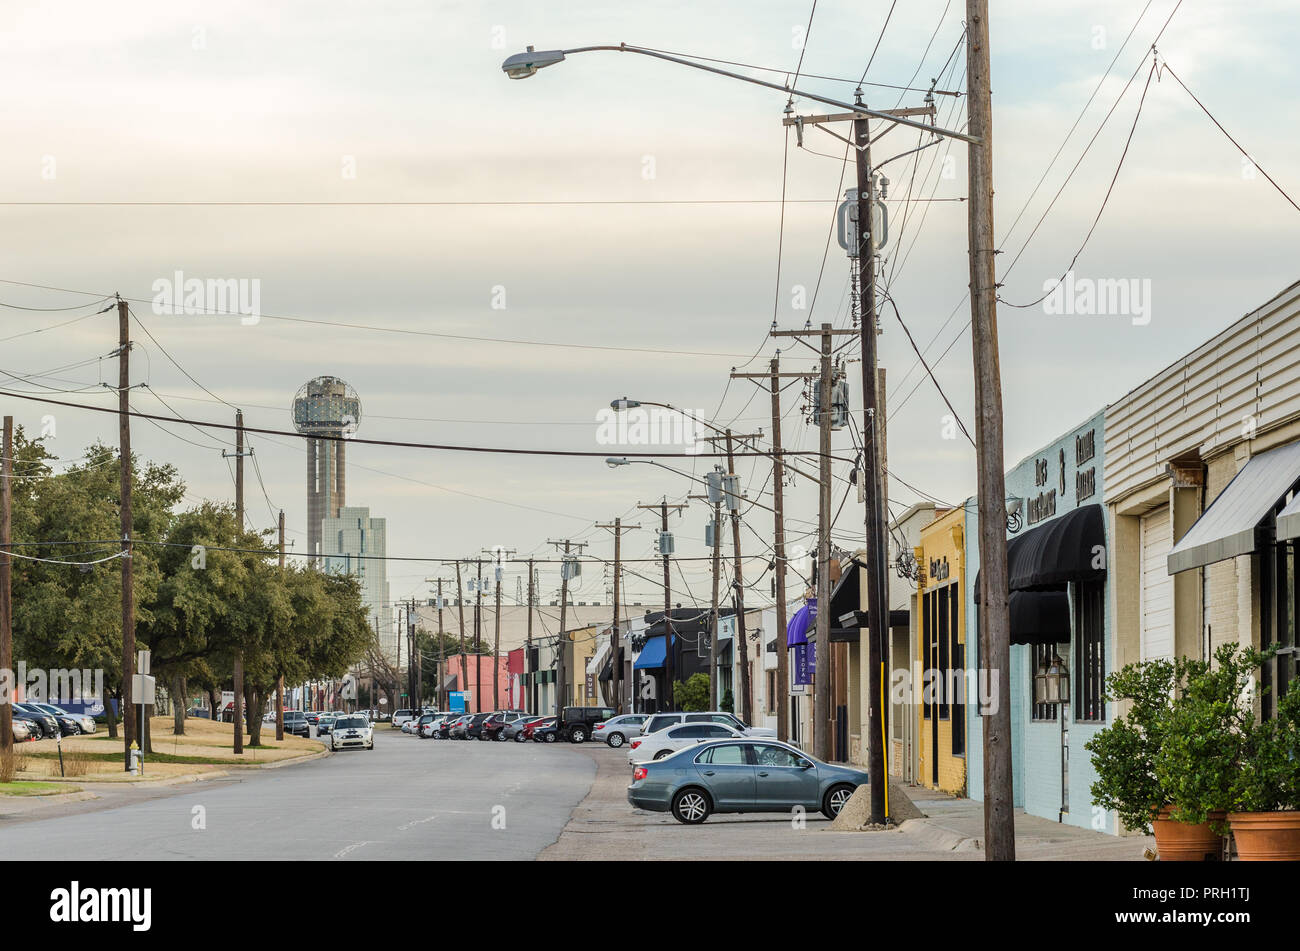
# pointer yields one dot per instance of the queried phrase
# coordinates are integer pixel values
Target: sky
(418, 224)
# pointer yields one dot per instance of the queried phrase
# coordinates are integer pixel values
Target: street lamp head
(622, 404)
(615, 461)
(523, 65)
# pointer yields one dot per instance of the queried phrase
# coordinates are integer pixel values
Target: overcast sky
(120, 122)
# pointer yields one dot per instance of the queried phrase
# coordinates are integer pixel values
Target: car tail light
(635, 744)
(639, 773)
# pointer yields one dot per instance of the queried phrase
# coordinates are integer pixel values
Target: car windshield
(351, 723)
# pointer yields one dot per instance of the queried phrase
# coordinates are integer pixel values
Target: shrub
(1268, 777)
(693, 695)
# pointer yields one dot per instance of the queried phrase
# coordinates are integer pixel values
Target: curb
(940, 837)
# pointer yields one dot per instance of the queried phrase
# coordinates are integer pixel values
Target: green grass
(23, 787)
(116, 756)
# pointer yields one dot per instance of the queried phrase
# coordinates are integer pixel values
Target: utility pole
(738, 582)
(532, 693)
(716, 529)
(239, 527)
(822, 675)
(460, 611)
(773, 378)
(994, 620)
(499, 555)
(439, 694)
(566, 567)
(615, 643)
(478, 636)
(872, 448)
(663, 508)
(128, 575)
(279, 682)
(6, 581)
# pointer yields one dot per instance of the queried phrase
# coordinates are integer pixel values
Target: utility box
(665, 543)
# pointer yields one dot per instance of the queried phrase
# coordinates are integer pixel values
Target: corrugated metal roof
(1231, 525)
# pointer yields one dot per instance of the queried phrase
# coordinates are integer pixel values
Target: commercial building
(356, 544)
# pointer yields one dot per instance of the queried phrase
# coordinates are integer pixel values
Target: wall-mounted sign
(939, 569)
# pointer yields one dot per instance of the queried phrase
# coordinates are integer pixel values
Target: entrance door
(1157, 638)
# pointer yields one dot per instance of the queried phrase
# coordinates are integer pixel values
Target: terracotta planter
(1267, 836)
(1182, 842)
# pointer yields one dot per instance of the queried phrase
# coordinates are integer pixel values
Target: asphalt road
(406, 799)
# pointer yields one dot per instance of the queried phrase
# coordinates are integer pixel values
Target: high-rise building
(354, 543)
(327, 410)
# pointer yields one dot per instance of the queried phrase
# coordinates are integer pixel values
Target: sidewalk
(605, 826)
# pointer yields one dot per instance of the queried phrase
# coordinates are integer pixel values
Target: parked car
(445, 724)
(457, 731)
(661, 721)
(325, 723)
(514, 730)
(402, 717)
(577, 723)
(421, 728)
(533, 729)
(618, 730)
(84, 724)
(667, 742)
(48, 725)
(352, 732)
(295, 722)
(744, 775)
(24, 730)
(494, 726)
(475, 725)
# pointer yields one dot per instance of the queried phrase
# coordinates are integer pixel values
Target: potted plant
(1266, 787)
(1124, 757)
(1206, 732)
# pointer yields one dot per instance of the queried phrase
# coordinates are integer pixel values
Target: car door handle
(708, 772)
(762, 774)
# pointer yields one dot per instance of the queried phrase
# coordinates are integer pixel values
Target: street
(406, 799)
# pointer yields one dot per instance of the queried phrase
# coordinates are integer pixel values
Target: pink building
(476, 677)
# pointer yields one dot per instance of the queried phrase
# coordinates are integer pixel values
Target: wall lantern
(1052, 681)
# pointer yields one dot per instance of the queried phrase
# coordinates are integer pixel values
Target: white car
(352, 732)
(403, 717)
(663, 743)
(662, 721)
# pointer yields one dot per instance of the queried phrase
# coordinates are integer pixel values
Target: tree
(693, 694)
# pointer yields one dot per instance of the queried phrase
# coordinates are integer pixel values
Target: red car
(531, 728)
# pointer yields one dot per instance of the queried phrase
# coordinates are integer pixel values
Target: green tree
(693, 694)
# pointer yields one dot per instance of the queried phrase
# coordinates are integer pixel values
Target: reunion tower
(327, 410)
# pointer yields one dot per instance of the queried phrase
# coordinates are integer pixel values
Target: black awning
(1062, 550)
(1040, 617)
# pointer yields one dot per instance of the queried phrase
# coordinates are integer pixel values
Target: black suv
(576, 722)
(295, 723)
(475, 725)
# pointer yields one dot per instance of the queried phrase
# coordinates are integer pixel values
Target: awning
(796, 632)
(1040, 617)
(652, 655)
(598, 658)
(1060, 551)
(1236, 522)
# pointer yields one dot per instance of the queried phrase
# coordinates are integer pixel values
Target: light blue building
(1058, 553)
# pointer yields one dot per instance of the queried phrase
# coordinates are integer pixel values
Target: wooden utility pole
(279, 681)
(615, 642)
(822, 717)
(499, 556)
(717, 580)
(566, 567)
(460, 611)
(994, 619)
(128, 575)
(239, 527)
(532, 676)
(6, 583)
(738, 580)
(872, 448)
(663, 508)
(439, 693)
(773, 378)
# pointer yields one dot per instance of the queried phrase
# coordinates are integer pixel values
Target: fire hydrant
(136, 759)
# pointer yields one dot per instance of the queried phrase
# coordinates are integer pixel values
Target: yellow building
(937, 674)
(582, 688)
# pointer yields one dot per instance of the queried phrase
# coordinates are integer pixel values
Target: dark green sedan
(752, 775)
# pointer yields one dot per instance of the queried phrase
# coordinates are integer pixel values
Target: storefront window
(1090, 653)
(1278, 622)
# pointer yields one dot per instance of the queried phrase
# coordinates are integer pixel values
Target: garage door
(1157, 587)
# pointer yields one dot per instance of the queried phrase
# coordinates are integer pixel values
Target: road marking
(355, 845)
(411, 825)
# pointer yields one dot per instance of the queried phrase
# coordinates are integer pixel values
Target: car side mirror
(805, 764)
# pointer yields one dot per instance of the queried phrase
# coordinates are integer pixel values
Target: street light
(523, 65)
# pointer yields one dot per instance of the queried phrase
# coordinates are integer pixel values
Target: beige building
(1201, 471)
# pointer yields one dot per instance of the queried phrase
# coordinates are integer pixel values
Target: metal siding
(1157, 638)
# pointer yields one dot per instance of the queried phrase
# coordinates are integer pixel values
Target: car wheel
(520, 738)
(835, 799)
(616, 740)
(662, 753)
(550, 737)
(578, 735)
(499, 736)
(691, 806)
